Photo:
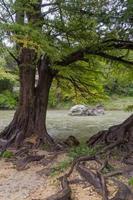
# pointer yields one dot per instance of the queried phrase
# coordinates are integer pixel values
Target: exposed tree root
(71, 141)
(91, 177)
(22, 152)
(104, 187)
(119, 136)
(6, 142)
(97, 179)
(64, 194)
(22, 164)
(124, 193)
(128, 158)
(119, 172)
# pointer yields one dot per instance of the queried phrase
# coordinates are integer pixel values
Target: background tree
(8, 81)
(60, 39)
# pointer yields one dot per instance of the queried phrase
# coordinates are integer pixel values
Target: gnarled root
(22, 164)
(118, 136)
(98, 180)
(124, 193)
(65, 193)
(91, 177)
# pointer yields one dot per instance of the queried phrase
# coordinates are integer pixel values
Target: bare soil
(35, 184)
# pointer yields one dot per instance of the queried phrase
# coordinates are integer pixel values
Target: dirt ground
(33, 184)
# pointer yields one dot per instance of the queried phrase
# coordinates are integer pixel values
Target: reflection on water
(61, 125)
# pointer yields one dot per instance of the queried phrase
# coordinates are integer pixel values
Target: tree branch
(120, 44)
(82, 87)
(8, 11)
(79, 55)
(13, 56)
(73, 57)
(50, 11)
(113, 58)
(48, 4)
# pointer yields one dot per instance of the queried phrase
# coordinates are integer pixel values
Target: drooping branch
(13, 56)
(80, 54)
(114, 58)
(119, 44)
(73, 57)
(79, 85)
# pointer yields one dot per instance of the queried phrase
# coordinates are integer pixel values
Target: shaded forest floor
(39, 179)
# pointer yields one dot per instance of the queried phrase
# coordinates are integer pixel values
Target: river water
(60, 125)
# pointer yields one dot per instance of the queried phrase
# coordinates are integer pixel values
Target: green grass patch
(61, 167)
(6, 154)
(118, 103)
(74, 152)
(82, 150)
(45, 147)
(130, 181)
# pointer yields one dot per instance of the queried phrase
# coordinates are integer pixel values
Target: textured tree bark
(120, 136)
(22, 124)
(42, 93)
(30, 116)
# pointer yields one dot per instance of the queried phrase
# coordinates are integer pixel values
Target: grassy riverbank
(112, 103)
(118, 103)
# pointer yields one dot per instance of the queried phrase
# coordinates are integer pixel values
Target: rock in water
(82, 110)
(100, 109)
(78, 110)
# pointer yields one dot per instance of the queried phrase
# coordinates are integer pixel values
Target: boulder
(82, 110)
(100, 109)
(78, 110)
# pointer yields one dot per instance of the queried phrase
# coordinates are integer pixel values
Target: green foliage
(6, 84)
(130, 181)
(74, 152)
(8, 100)
(129, 90)
(119, 80)
(7, 80)
(64, 27)
(79, 82)
(6, 154)
(116, 102)
(28, 37)
(61, 167)
(53, 99)
(82, 150)
(7, 77)
(108, 168)
(45, 147)
(129, 108)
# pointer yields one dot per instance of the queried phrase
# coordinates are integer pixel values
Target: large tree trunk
(30, 116)
(23, 120)
(41, 102)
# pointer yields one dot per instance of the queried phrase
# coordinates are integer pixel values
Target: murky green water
(61, 125)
